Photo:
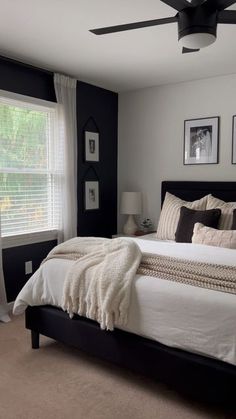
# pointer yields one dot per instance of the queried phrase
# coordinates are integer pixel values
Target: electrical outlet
(28, 267)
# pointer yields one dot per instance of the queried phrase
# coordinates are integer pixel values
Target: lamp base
(130, 226)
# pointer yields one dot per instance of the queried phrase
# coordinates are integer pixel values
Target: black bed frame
(196, 375)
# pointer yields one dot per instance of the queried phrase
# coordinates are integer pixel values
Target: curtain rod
(29, 66)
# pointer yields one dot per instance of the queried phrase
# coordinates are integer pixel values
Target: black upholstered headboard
(190, 191)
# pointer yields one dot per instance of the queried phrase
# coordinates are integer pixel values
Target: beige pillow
(213, 237)
(226, 219)
(170, 214)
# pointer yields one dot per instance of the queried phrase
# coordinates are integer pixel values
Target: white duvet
(178, 315)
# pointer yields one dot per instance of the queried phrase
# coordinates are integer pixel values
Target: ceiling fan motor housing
(197, 20)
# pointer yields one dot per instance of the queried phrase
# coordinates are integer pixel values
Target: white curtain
(3, 300)
(65, 88)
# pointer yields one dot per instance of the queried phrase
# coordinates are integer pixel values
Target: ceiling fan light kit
(197, 27)
(197, 40)
(197, 22)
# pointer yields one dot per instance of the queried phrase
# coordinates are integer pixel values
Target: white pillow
(213, 237)
(226, 219)
(170, 214)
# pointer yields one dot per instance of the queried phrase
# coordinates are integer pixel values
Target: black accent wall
(25, 80)
(97, 110)
(93, 103)
(14, 264)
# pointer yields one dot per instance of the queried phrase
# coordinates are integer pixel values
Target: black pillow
(188, 217)
(234, 220)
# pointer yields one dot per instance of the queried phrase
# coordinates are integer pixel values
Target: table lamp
(131, 204)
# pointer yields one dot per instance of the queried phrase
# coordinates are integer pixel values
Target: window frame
(39, 236)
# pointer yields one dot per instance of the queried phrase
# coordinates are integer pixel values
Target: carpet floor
(61, 382)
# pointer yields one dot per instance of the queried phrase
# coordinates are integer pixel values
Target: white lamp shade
(131, 203)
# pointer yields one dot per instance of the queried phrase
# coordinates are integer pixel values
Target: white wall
(151, 131)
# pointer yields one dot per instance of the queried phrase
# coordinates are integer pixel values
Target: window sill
(29, 238)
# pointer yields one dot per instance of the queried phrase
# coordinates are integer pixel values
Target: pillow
(234, 220)
(212, 237)
(227, 208)
(170, 212)
(188, 217)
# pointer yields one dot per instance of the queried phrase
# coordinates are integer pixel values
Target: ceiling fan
(197, 22)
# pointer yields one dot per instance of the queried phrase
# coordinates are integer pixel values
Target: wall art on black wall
(97, 111)
(91, 195)
(91, 146)
(201, 141)
(234, 141)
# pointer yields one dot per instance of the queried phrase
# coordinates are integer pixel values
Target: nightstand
(114, 236)
(143, 233)
(138, 234)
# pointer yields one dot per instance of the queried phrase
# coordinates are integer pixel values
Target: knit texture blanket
(99, 282)
(204, 275)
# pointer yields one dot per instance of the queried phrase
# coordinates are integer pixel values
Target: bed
(191, 369)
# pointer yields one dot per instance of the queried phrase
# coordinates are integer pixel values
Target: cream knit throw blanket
(98, 284)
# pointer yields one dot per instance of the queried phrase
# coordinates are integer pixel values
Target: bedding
(98, 284)
(178, 315)
(188, 217)
(234, 220)
(226, 219)
(170, 213)
(198, 274)
(213, 237)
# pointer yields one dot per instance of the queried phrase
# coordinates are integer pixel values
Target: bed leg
(34, 339)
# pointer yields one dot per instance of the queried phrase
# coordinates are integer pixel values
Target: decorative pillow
(170, 212)
(188, 217)
(234, 220)
(212, 237)
(227, 208)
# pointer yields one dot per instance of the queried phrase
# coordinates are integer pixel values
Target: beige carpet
(60, 382)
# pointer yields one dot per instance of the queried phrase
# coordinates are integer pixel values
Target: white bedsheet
(178, 315)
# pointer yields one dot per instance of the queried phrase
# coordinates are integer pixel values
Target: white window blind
(30, 168)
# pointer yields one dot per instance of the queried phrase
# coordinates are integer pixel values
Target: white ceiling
(53, 34)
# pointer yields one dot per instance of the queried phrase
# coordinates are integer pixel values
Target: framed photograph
(91, 195)
(234, 141)
(91, 146)
(201, 141)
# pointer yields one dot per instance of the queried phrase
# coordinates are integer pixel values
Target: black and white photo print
(91, 146)
(91, 195)
(201, 141)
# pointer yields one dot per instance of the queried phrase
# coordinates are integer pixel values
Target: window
(30, 167)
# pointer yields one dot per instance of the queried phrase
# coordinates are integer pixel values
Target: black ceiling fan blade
(178, 4)
(136, 25)
(227, 16)
(219, 4)
(188, 50)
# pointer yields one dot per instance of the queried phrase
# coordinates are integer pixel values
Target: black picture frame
(201, 141)
(233, 156)
(91, 195)
(91, 146)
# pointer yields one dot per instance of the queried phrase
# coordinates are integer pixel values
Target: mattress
(178, 315)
